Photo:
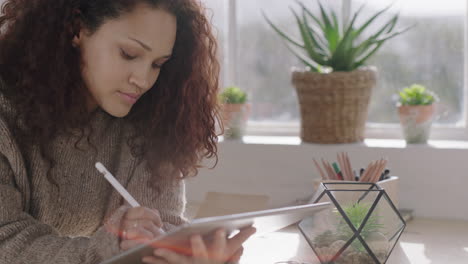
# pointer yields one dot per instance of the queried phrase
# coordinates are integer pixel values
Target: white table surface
(423, 241)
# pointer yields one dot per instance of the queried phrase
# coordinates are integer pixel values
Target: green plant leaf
(233, 95)
(367, 56)
(340, 58)
(365, 45)
(379, 44)
(394, 22)
(356, 214)
(416, 94)
(308, 41)
(331, 32)
(322, 40)
(328, 45)
(369, 22)
(315, 18)
(392, 35)
(312, 64)
(282, 34)
(319, 42)
(326, 20)
(336, 24)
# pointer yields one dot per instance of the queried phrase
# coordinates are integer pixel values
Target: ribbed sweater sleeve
(79, 224)
(23, 239)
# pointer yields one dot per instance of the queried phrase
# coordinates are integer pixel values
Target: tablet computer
(264, 221)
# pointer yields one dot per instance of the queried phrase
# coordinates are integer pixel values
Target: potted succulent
(235, 112)
(334, 89)
(416, 110)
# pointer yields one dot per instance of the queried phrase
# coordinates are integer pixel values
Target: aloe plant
(333, 46)
(417, 94)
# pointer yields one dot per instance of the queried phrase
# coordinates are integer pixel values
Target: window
(216, 14)
(432, 53)
(264, 62)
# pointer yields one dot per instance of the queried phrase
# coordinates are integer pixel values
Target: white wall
(433, 180)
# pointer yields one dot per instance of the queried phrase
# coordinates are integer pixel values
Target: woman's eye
(127, 56)
(157, 66)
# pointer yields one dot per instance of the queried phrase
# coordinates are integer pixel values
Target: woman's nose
(141, 79)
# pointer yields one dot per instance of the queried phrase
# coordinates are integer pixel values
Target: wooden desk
(424, 241)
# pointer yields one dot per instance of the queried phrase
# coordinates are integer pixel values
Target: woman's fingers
(219, 246)
(144, 224)
(237, 256)
(154, 260)
(221, 249)
(236, 242)
(135, 237)
(171, 257)
(128, 244)
(139, 213)
(113, 224)
(140, 224)
(138, 233)
(199, 250)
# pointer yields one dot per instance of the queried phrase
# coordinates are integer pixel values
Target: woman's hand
(221, 250)
(140, 225)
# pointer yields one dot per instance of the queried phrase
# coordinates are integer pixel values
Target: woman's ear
(77, 39)
(76, 28)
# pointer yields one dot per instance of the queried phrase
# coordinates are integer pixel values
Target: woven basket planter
(334, 106)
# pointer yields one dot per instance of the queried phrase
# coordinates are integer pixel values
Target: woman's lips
(130, 98)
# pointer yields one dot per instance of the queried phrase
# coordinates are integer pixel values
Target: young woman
(129, 83)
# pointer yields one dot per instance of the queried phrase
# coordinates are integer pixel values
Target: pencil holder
(363, 227)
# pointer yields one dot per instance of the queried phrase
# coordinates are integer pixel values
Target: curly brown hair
(42, 73)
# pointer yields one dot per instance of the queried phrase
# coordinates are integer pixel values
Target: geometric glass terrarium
(362, 227)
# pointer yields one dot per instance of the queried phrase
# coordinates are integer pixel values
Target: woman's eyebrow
(148, 48)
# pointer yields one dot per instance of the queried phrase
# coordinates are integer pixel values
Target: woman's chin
(117, 111)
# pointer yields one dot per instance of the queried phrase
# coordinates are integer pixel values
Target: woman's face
(122, 59)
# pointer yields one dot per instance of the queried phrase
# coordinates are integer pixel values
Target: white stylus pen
(116, 185)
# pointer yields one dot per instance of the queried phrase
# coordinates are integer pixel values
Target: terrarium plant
(330, 242)
(363, 225)
(356, 214)
(416, 108)
(235, 111)
(335, 54)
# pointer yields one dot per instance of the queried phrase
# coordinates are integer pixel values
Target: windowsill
(372, 143)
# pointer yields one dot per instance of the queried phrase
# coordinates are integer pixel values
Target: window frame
(458, 131)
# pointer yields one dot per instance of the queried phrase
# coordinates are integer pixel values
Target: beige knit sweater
(40, 225)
